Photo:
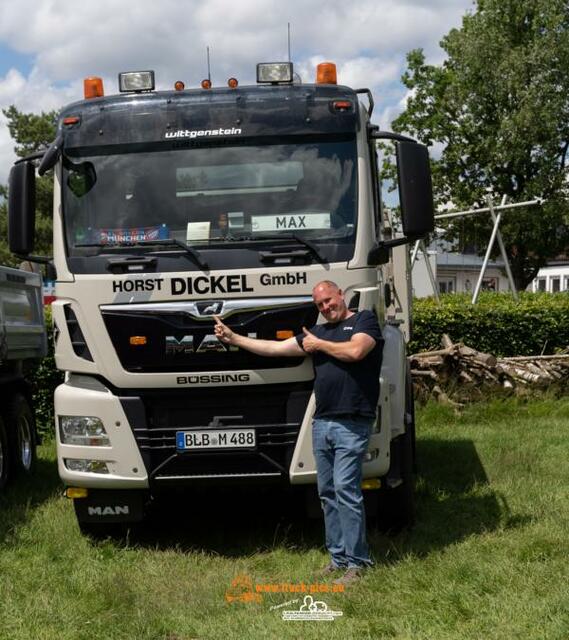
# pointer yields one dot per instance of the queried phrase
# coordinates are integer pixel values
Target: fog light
(83, 430)
(86, 466)
(76, 492)
(371, 483)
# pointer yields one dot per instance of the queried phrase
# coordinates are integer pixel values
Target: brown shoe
(353, 574)
(329, 570)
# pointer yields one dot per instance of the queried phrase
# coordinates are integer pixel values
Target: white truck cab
(173, 206)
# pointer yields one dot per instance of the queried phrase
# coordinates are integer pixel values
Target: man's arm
(269, 348)
(353, 350)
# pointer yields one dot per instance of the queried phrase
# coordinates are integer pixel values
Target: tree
(498, 106)
(31, 132)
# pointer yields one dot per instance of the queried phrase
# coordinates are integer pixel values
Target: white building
(553, 278)
(457, 273)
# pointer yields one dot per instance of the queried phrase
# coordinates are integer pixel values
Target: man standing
(346, 352)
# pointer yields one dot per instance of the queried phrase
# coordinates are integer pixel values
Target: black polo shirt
(347, 388)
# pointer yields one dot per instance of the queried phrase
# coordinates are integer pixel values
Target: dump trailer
(23, 339)
(171, 207)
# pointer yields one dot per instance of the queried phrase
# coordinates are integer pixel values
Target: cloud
(368, 40)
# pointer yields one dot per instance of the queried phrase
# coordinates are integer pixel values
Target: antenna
(208, 66)
(288, 29)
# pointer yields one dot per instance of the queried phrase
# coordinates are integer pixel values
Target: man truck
(172, 206)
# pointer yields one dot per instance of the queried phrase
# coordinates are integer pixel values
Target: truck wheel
(4, 456)
(396, 504)
(22, 430)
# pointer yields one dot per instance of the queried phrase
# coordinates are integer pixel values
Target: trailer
(23, 339)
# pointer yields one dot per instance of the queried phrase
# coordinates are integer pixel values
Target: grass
(487, 558)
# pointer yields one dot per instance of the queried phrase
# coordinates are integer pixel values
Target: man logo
(208, 308)
(186, 344)
(109, 511)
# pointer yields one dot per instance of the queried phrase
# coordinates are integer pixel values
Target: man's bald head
(326, 284)
(329, 299)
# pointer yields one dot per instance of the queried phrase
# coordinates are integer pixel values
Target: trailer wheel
(4, 456)
(22, 430)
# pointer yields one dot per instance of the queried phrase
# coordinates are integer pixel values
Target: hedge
(538, 323)
(497, 324)
(44, 378)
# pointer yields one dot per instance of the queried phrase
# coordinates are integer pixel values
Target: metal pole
(515, 205)
(208, 66)
(488, 252)
(505, 257)
(415, 252)
(430, 272)
(420, 244)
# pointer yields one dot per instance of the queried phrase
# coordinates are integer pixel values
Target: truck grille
(179, 339)
(274, 411)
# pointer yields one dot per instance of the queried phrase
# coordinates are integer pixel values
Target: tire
(22, 432)
(4, 456)
(396, 503)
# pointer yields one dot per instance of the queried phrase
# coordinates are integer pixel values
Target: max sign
(291, 221)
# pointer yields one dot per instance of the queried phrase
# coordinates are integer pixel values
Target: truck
(23, 339)
(172, 206)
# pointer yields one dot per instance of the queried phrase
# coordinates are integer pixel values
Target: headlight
(86, 466)
(83, 430)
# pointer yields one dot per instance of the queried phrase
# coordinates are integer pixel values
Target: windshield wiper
(292, 236)
(189, 251)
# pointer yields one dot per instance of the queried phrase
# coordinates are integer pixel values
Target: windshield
(212, 195)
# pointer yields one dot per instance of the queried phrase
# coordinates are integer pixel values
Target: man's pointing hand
(223, 333)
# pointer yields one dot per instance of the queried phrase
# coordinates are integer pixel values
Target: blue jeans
(339, 447)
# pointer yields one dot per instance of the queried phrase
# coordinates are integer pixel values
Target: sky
(47, 47)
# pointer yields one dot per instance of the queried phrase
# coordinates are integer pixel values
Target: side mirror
(378, 254)
(22, 208)
(415, 189)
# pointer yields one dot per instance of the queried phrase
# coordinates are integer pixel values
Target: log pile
(456, 372)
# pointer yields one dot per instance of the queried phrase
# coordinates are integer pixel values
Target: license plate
(215, 439)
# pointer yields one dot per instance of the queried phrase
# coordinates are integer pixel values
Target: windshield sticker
(198, 230)
(203, 133)
(133, 234)
(291, 221)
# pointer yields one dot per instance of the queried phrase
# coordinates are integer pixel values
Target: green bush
(44, 378)
(497, 324)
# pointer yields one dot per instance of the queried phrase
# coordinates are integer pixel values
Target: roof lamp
(93, 88)
(326, 73)
(136, 81)
(274, 72)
